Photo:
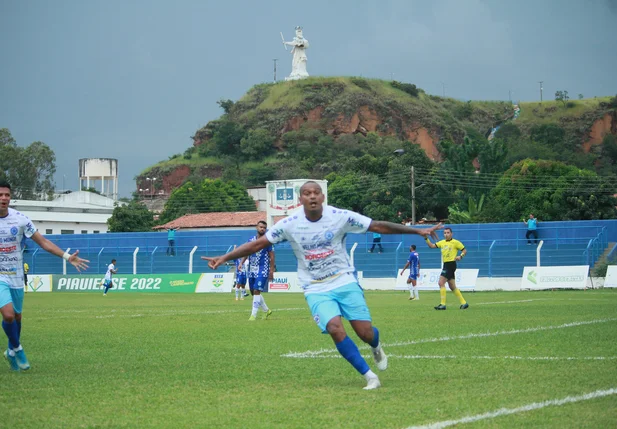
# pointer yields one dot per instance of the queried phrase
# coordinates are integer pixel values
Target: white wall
(77, 228)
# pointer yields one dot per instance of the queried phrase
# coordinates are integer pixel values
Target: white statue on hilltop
(298, 64)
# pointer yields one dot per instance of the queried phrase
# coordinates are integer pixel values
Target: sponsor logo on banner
(211, 282)
(280, 283)
(569, 277)
(465, 279)
(127, 283)
(611, 276)
(39, 283)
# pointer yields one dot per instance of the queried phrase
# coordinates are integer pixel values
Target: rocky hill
(348, 106)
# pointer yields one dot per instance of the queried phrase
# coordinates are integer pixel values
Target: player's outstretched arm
(74, 259)
(384, 227)
(245, 250)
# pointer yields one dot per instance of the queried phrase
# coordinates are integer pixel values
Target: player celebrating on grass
(13, 227)
(414, 272)
(449, 248)
(317, 235)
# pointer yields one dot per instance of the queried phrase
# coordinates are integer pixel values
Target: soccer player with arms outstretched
(13, 227)
(449, 249)
(317, 235)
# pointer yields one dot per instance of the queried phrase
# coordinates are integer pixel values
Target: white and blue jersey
(259, 262)
(320, 246)
(414, 265)
(110, 271)
(240, 272)
(14, 227)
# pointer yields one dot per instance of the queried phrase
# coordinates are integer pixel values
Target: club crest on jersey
(329, 235)
(14, 230)
(316, 318)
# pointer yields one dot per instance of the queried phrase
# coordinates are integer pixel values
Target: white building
(75, 213)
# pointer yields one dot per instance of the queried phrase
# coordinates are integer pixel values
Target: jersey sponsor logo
(5, 258)
(318, 245)
(354, 222)
(320, 255)
(9, 271)
(8, 249)
(9, 239)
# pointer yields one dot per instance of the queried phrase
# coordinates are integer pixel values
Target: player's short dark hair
(113, 260)
(310, 182)
(447, 228)
(413, 247)
(5, 184)
(262, 221)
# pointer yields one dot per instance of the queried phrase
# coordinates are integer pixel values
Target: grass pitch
(162, 360)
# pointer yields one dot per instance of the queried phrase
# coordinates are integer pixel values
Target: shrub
(409, 88)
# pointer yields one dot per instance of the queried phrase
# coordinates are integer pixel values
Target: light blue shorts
(347, 301)
(9, 295)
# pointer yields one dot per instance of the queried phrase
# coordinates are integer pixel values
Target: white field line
(312, 353)
(529, 407)
(160, 314)
(507, 302)
(540, 358)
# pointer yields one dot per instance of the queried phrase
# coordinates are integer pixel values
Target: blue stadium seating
(497, 250)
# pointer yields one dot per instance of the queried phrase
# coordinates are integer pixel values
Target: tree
(132, 217)
(207, 196)
(581, 96)
(551, 190)
(257, 144)
(458, 215)
(562, 96)
(29, 169)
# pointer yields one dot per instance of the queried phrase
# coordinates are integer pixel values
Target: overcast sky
(134, 79)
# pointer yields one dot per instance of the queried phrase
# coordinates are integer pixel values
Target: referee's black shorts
(448, 270)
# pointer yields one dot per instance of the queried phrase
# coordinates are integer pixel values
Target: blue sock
(12, 333)
(375, 341)
(349, 351)
(18, 331)
(106, 289)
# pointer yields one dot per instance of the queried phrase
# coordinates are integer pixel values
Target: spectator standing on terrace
(317, 234)
(13, 227)
(376, 242)
(171, 241)
(532, 229)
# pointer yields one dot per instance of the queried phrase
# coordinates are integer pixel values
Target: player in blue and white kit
(260, 272)
(14, 226)
(240, 278)
(317, 235)
(414, 272)
(107, 283)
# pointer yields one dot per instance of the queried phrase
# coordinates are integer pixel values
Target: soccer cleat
(241, 298)
(236, 298)
(464, 306)
(22, 360)
(440, 307)
(381, 360)
(252, 318)
(268, 314)
(12, 361)
(373, 383)
(411, 298)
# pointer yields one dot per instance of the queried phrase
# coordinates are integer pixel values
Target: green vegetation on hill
(304, 129)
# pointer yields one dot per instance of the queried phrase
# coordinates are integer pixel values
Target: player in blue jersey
(240, 278)
(317, 234)
(14, 226)
(260, 272)
(414, 272)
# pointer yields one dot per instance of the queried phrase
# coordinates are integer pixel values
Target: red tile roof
(215, 220)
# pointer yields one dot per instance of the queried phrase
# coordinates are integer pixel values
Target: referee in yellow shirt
(449, 249)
